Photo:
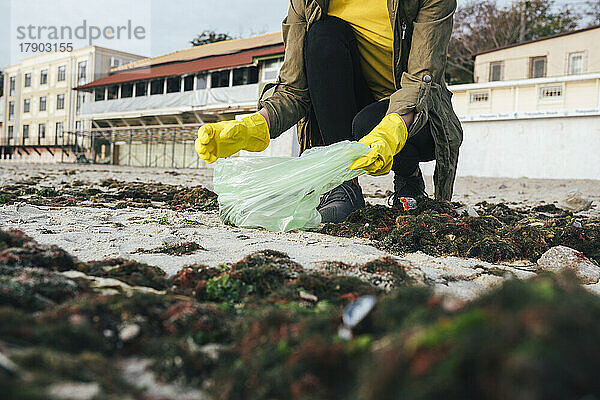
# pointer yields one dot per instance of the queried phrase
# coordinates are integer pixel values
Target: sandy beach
(139, 261)
(98, 233)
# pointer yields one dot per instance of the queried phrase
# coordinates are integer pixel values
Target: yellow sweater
(371, 24)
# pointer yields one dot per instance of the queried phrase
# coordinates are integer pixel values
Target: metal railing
(149, 146)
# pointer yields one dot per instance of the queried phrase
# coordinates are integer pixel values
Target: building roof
(211, 49)
(187, 67)
(539, 40)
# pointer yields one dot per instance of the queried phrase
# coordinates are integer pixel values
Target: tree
(209, 37)
(482, 25)
(593, 11)
(542, 20)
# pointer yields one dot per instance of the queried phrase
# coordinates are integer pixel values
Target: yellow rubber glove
(386, 140)
(222, 139)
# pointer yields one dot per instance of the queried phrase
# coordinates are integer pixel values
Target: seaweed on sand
(535, 337)
(112, 192)
(499, 234)
(265, 328)
(528, 339)
(176, 249)
(129, 271)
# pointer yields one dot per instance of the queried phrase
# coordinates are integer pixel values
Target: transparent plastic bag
(282, 193)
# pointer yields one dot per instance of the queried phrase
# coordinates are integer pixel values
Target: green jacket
(422, 31)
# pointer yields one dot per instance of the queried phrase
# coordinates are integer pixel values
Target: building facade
(150, 110)
(534, 110)
(40, 104)
(572, 53)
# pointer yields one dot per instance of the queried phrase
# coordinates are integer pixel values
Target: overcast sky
(170, 24)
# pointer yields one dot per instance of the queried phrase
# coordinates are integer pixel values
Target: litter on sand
(282, 193)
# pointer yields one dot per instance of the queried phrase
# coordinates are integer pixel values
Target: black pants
(342, 104)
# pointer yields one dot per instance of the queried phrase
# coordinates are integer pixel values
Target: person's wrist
(265, 114)
(257, 133)
(408, 119)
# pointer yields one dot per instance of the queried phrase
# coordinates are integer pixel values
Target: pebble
(562, 258)
(129, 331)
(74, 390)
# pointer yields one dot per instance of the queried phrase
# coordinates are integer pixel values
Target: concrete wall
(554, 148)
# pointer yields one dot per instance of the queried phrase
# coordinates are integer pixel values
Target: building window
(202, 80)
(43, 103)
(188, 83)
(115, 62)
(174, 84)
(157, 86)
(77, 126)
(141, 89)
(480, 97)
(26, 105)
(44, 77)
(538, 67)
(99, 94)
(80, 100)
(11, 132)
(113, 92)
(551, 92)
(59, 132)
(60, 102)
(12, 86)
(245, 76)
(42, 131)
(496, 71)
(62, 73)
(82, 72)
(28, 79)
(126, 90)
(270, 69)
(25, 131)
(220, 79)
(11, 110)
(576, 63)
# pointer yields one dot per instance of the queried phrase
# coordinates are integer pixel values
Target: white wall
(559, 148)
(285, 145)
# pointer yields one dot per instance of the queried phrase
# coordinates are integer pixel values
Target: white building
(534, 111)
(39, 103)
(150, 110)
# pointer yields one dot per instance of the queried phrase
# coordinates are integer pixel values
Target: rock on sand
(562, 258)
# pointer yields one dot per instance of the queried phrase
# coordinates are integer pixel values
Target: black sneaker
(407, 186)
(338, 203)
